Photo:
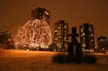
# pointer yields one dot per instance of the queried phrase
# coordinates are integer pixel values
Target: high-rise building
(41, 14)
(87, 36)
(102, 42)
(61, 34)
(6, 40)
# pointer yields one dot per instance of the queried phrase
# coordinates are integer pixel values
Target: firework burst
(33, 34)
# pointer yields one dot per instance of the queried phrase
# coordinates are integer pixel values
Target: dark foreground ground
(13, 60)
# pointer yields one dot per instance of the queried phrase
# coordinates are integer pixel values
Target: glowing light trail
(33, 34)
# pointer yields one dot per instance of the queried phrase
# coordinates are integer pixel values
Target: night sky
(15, 13)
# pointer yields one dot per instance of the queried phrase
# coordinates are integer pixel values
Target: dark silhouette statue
(74, 47)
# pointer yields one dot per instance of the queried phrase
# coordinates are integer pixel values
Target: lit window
(81, 30)
(83, 45)
(90, 29)
(65, 26)
(92, 35)
(59, 46)
(92, 40)
(65, 37)
(101, 40)
(55, 31)
(83, 34)
(9, 39)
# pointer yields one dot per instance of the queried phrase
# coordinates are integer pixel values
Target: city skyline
(16, 13)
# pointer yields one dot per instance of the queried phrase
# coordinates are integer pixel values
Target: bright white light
(34, 33)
